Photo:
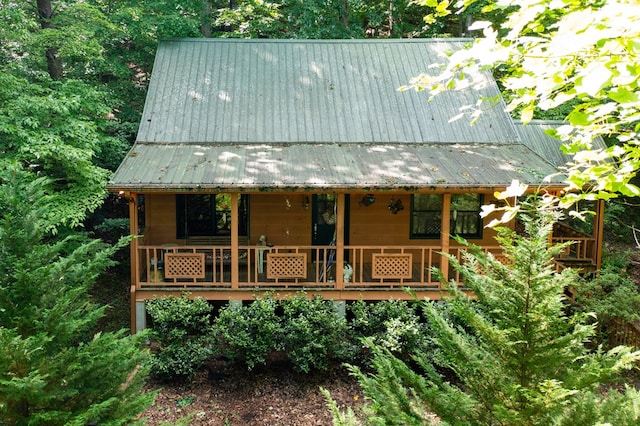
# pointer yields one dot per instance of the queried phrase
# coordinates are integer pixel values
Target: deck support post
(341, 308)
(133, 253)
(598, 230)
(235, 252)
(235, 304)
(445, 230)
(141, 316)
(340, 198)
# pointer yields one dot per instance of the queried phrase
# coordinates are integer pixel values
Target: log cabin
(299, 165)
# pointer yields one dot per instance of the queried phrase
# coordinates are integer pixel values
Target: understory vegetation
(520, 353)
(311, 333)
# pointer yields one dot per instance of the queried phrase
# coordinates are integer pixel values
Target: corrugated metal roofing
(291, 114)
(250, 167)
(275, 91)
(534, 136)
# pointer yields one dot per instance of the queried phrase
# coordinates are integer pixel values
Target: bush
(393, 324)
(182, 329)
(249, 333)
(313, 333)
(612, 295)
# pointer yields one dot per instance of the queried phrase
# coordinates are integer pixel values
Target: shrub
(313, 332)
(182, 329)
(612, 295)
(393, 324)
(249, 333)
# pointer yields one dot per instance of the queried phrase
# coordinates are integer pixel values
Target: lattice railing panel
(286, 265)
(391, 265)
(184, 265)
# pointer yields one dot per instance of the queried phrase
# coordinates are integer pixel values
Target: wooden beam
(235, 252)
(445, 231)
(598, 232)
(335, 295)
(339, 241)
(135, 261)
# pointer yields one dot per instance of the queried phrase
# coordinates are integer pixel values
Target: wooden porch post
(445, 230)
(133, 250)
(235, 263)
(598, 233)
(340, 241)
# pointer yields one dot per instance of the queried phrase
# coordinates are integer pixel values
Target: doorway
(323, 220)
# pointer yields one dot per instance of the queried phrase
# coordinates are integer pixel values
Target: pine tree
(54, 369)
(511, 355)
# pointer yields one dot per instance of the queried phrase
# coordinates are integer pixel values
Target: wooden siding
(284, 220)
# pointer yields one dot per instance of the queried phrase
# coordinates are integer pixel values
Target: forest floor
(272, 395)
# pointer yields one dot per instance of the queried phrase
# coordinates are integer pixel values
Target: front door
(323, 220)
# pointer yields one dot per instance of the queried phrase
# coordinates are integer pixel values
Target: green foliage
(392, 324)
(313, 332)
(517, 359)
(249, 333)
(182, 329)
(612, 295)
(579, 59)
(53, 370)
(309, 331)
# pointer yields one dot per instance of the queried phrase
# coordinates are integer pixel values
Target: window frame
(212, 229)
(452, 218)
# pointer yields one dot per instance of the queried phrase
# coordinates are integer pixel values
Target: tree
(577, 55)
(54, 369)
(511, 355)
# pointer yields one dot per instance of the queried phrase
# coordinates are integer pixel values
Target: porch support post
(133, 250)
(445, 231)
(340, 242)
(235, 252)
(598, 230)
(141, 316)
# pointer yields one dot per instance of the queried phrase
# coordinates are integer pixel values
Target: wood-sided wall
(285, 219)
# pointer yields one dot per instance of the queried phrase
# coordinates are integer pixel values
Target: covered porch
(370, 257)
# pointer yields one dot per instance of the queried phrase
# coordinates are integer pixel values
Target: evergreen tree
(53, 369)
(511, 355)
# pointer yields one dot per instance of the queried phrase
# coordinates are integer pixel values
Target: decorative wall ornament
(367, 200)
(395, 206)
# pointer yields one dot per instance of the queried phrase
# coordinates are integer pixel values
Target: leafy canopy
(548, 54)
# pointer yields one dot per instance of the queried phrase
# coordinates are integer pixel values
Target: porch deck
(198, 268)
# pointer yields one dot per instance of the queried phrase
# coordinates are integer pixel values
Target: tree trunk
(205, 19)
(54, 63)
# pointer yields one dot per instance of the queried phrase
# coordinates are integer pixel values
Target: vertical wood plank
(445, 230)
(340, 241)
(235, 252)
(135, 261)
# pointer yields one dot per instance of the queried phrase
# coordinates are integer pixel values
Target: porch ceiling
(284, 167)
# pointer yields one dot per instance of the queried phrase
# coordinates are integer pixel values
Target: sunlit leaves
(558, 53)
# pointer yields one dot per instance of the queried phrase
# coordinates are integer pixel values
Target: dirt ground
(273, 395)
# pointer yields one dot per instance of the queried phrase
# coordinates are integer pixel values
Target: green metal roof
(247, 167)
(534, 135)
(290, 114)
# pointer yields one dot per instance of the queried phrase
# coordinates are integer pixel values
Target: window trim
(470, 236)
(181, 216)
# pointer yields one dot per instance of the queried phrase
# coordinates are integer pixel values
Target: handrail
(321, 269)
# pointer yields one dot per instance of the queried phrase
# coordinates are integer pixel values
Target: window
(426, 215)
(465, 215)
(208, 215)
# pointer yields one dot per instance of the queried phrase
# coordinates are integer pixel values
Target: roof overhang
(158, 167)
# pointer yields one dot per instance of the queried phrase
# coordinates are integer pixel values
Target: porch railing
(366, 267)
(286, 266)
